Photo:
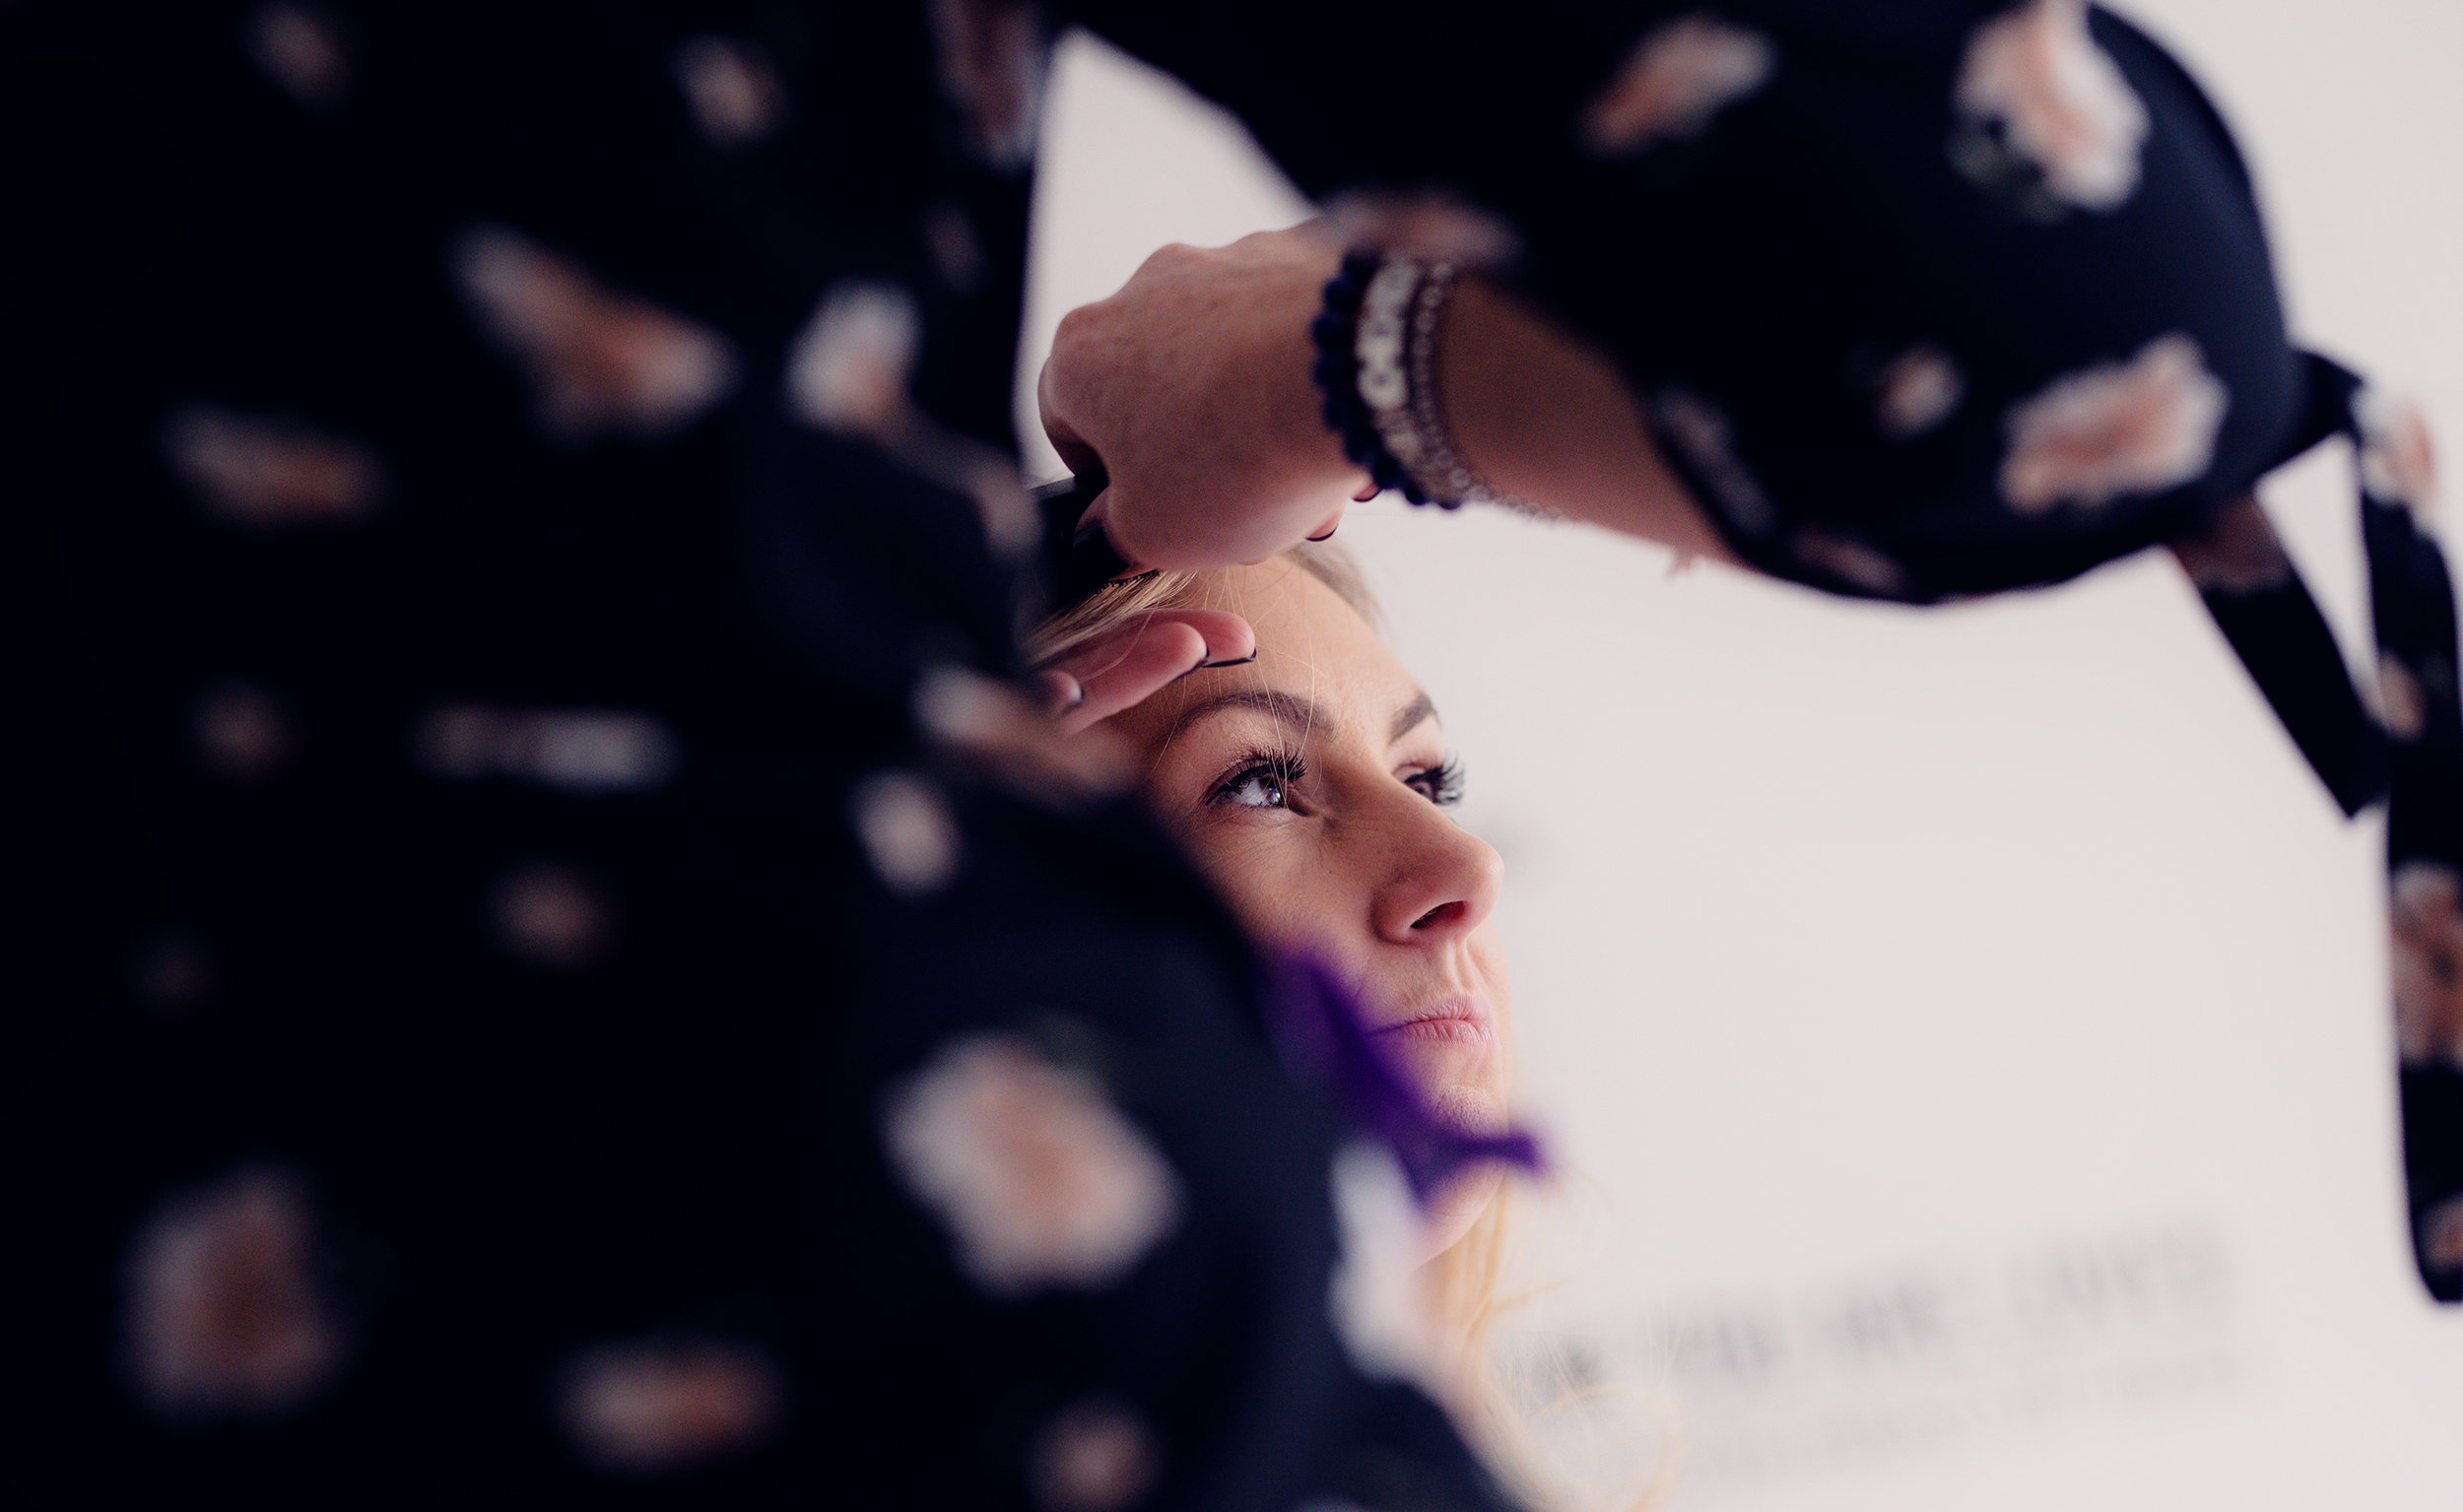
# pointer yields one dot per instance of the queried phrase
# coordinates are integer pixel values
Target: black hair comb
(1076, 561)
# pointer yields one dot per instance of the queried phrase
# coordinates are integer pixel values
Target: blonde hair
(1114, 603)
(1468, 1283)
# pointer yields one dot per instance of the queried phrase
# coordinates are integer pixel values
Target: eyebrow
(1420, 707)
(1296, 714)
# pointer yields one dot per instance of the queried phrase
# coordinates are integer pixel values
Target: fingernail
(1061, 692)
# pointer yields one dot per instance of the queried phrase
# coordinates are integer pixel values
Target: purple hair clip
(1325, 1036)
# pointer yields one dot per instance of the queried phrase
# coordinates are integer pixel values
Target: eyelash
(1284, 769)
(1440, 784)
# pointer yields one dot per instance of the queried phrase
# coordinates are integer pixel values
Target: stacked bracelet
(1336, 332)
(1376, 341)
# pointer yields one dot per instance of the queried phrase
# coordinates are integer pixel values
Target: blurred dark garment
(614, 1021)
(620, 1016)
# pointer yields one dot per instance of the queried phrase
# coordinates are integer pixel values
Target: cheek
(1270, 874)
(1488, 957)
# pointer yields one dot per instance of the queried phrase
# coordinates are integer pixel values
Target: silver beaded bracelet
(1400, 316)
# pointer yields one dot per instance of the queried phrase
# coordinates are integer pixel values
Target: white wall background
(1971, 1023)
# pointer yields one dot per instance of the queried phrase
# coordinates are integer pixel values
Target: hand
(1192, 387)
(1129, 664)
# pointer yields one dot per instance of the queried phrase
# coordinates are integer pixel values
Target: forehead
(1310, 644)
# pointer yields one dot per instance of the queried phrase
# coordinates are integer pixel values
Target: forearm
(1545, 418)
(1192, 387)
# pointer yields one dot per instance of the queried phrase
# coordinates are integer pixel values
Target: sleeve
(1832, 248)
(594, 1041)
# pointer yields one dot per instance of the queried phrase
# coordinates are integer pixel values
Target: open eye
(1440, 784)
(1258, 788)
(1262, 781)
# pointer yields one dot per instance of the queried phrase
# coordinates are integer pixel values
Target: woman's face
(1311, 786)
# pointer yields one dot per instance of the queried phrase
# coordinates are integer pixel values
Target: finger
(1122, 669)
(1228, 637)
(1057, 691)
(1098, 517)
(1126, 669)
(1093, 559)
(1076, 452)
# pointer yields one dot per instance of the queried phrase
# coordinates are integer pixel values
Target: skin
(1191, 386)
(1345, 852)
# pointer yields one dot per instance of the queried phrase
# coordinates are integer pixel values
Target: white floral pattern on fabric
(299, 48)
(648, 1406)
(599, 363)
(847, 372)
(1095, 1455)
(2428, 963)
(1039, 1180)
(241, 730)
(2398, 456)
(585, 751)
(269, 472)
(226, 1316)
(1675, 79)
(2061, 106)
(994, 59)
(1918, 390)
(2136, 427)
(2238, 553)
(733, 94)
(848, 368)
(1428, 227)
(1851, 562)
(1382, 1311)
(551, 915)
(2402, 703)
(907, 832)
(1703, 435)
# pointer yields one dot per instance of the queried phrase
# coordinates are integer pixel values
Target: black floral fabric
(1924, 302)
(633, 1007)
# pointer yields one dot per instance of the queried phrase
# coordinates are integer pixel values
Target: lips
(1445, 1019)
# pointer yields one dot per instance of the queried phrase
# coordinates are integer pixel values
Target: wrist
(1543, 416)
(1378, 338)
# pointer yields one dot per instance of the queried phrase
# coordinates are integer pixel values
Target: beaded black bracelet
(1376, 340)
(1335, 333)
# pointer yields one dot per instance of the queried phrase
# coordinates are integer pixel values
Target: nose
(1441, 881)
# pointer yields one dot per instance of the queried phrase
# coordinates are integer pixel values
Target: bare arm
(1192, 386)
(1544, 417)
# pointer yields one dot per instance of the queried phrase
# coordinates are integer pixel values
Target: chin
(1474, 1107)
(1457, 1208)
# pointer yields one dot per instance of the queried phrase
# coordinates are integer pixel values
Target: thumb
(1095, 558)
(1076, 452)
